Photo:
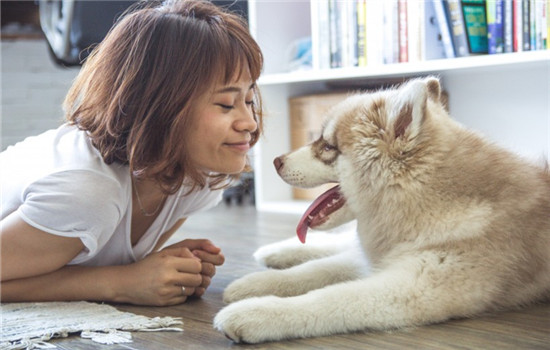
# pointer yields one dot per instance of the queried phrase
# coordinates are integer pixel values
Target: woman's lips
(240, 146)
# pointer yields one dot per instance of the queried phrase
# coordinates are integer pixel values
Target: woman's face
(222, 125)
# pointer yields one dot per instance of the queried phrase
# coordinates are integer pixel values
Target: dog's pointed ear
(434, 88)
(412, 103)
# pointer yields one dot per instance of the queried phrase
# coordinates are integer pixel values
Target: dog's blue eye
(328, 147)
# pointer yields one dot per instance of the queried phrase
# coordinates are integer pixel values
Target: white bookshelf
(506, 96)
(484, 62)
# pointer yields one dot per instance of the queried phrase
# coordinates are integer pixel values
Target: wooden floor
(240, 230)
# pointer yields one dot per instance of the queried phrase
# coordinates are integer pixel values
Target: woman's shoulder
(63, 150)
(61, 165)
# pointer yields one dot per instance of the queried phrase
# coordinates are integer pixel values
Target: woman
(160, 118)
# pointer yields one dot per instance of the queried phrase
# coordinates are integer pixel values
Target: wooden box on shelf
(306, 122)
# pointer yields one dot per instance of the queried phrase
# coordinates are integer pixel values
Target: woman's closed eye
(224, 106)
(232, 106)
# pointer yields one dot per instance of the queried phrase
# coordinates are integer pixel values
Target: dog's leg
(299, 279)
(290, 252)
(416, 292)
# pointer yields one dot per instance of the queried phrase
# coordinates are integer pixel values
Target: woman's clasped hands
(171, 275)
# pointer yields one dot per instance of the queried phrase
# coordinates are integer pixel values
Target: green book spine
(475, 18)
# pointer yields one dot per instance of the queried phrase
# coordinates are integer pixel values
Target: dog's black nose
(278, 162)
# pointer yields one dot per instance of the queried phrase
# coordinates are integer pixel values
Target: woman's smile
(223, 125)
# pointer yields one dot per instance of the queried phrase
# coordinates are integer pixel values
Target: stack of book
(368, 32)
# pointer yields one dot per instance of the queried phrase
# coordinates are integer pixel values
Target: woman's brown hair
(135, 91)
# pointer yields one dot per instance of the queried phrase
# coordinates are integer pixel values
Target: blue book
(457, 27)
(495, 26)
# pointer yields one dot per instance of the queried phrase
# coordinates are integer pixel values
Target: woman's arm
(26, 251)
(155, 280)
(34, 269)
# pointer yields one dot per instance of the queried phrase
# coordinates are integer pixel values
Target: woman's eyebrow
(233, 89)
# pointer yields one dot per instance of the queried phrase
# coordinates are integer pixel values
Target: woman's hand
(158, 278)
(209, 255)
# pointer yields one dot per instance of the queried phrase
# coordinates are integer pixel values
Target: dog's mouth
(319, 211)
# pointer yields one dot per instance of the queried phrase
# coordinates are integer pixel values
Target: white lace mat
(31, 325)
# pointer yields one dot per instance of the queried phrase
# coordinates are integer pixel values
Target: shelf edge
(405, 69)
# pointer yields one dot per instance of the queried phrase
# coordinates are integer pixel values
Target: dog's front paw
(253, 285)
(255, 320)
(281, 255)
(290, 252)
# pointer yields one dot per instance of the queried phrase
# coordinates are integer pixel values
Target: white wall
(511, 105)
(32, 90)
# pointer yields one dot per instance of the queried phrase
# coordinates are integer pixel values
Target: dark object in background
(19, 20)
(72, 27)
(241, 191)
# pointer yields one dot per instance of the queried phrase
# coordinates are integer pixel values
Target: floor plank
(239, 231)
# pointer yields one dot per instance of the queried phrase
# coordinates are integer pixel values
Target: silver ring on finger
(182, 290)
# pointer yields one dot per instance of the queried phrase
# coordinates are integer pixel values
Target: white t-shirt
(57, 182)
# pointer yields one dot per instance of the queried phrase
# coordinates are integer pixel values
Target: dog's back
(511, 235)
(461, 194)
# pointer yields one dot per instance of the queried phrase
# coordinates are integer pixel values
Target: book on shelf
(350, 33)
(517, 27)
(359, 33)
(403, 38)
(320, 29)
(495, 28)
(432, 46)
(390, 32)
(443, 22)
(457, 27)
(415, 29)
(526, 17)
(541, 25)
(335, 39)
(507, 30)
(375, 44)
(362, 33)
(306, 121)
(475, 19)
(533, 24)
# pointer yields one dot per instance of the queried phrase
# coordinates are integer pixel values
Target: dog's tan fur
(450, 225)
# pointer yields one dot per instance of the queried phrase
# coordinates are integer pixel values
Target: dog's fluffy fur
(448, 225)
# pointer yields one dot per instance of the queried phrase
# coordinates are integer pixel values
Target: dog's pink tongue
(319, 210)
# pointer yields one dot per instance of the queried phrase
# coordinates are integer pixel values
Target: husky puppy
(448, 226)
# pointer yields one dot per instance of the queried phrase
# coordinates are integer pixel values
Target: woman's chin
(228, 170)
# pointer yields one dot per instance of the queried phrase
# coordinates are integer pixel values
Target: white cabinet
(506, 96)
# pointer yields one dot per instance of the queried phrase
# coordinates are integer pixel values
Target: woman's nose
(246, 121)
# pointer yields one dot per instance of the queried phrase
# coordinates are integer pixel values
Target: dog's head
(368, 144)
